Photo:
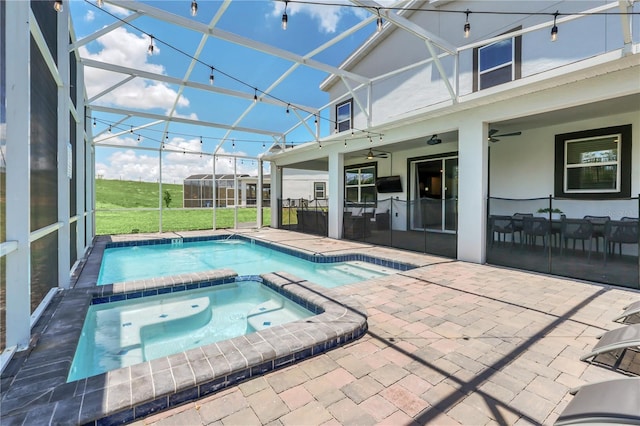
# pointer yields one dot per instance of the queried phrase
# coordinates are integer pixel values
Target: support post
(64, 139)
(473, 177)
(336, 194)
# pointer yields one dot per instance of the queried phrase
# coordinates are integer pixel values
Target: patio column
(336, 194)
(18, 147)
(472, 189)
(259, 194)
(276, 194)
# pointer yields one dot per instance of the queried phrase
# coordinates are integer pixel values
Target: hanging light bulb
(211, 77)
(109, 128)
(194, 8)
(131, 129)
(288, 108)
(100, 3)
(379, 22)
(263, 145)
(315, 119)
(200, 140)
(150, 49)
(467, 25)
(166, 137)
(554, 30)
(345, 143)
(285, 19)
(233, 143)
(94, 122)
(57, 5)
(255, 95)
(319, 145)
(138, 138)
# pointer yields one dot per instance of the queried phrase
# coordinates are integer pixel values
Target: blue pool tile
(117, 297)
(192, 286)
(239, 376)
(147, 293)
(164, 290)
(212, 386)
(135, 295)
(183, 396)
(143, 410)
(283, 360)
(99, 300)
(178, 288)
(263, 368)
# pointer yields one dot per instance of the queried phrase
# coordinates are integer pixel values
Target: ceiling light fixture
(57, 5)
(467, 25)
(379, 21)
(194, 8)
(434, 140)
(370, 155)
(285, 18)
(150, 49)
(554, 30)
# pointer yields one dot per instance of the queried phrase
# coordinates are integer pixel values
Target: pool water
(119, 334)
(148, 261)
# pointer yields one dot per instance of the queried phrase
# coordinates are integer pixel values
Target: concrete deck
(447, 343)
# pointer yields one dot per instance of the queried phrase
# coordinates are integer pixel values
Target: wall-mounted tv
(388, 184)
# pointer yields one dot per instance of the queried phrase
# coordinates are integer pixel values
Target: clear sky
(309, 27)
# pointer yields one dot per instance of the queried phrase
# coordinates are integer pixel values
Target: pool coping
(35, 388)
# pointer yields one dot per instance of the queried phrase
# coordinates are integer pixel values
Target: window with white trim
(592, 164)
(360, 184)
(497, 63)
(319, 190)
(344, 116)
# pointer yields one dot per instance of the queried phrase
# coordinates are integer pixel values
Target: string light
(467, 25)
(194, 8)
(288, 108)
(57, 6)
(131, 129)
(211, 77)
(319, 145)
(345, 143)
(233, 143)
(554, 30)
(285, 19)
(138, 138)
(379, 21)
(150, 49)
(94, 122)
(255, 95)
(200, 140)
(109, 128)
(315, 119)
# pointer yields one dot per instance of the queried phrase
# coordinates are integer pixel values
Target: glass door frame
(411, 188)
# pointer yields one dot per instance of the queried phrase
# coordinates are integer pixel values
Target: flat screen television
(388, 184)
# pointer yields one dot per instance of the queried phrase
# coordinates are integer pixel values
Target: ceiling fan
(493, 136)
(372, 154)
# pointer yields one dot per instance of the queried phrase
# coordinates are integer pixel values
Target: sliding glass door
(434, 195)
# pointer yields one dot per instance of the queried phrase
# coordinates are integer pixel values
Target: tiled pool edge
(170, 381)
(311, 257)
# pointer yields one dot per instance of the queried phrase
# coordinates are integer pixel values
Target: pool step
(263, 315)
(161, 317)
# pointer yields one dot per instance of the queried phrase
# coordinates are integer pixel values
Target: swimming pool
(119, 334)
(144, 261)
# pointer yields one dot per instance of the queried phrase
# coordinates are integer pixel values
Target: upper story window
(360, 184)
(344, 116)
(319, 190)
(594, 163)
(497, 63)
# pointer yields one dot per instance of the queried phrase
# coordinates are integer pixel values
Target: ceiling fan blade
(510, 134)
(493, 139)
(493, 132)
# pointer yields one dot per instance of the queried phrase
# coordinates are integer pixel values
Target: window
(319, 190)
(360, 184)
(594, 163)
(497, 63)
(344, 116)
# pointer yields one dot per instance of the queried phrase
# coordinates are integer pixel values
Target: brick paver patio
(448, 343)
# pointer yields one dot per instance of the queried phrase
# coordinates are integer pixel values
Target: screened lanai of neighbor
(502, 133)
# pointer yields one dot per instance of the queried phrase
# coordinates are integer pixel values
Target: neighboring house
(198, 189)
(572, 107)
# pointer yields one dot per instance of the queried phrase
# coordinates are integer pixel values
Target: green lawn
(115, 194)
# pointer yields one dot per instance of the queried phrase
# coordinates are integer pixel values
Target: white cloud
(116, 10)
(90, 16)
(120, 47)
(328, 16)
(129, 164)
